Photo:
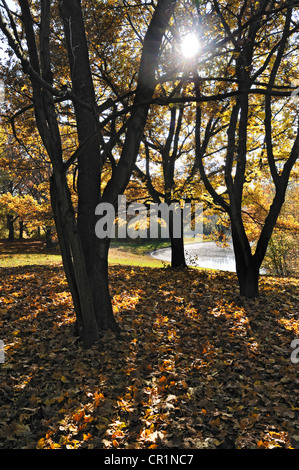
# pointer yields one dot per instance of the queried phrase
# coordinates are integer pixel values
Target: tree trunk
(21, 229)
(177, 243)
(10, 226)
(49, 242)
(90, 161)
(96, 257)
(247, 265)
(73, 259)
(177, 253)
(248, 277)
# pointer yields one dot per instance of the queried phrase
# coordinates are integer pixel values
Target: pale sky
(11, 4)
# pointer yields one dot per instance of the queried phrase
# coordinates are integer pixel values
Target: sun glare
(190, 45)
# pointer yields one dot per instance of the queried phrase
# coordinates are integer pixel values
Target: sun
(190, 46)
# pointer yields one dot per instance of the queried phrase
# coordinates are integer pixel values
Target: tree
(166, 154)
(84, 255)
(168, 165)
(258, 58)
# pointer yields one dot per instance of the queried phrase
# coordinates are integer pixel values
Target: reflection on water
(224, 263)
(212, 256)
(204, 255)
(208, 255)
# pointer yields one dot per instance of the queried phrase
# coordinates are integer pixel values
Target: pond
(204, 255)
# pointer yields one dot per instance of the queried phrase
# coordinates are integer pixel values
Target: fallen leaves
(196, 366)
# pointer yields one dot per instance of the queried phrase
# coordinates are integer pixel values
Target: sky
(11, 4)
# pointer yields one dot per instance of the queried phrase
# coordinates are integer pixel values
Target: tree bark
(248, 277)
(21, 229)
(73, 259)
(247, 266)
(11, 228)
(177, 243)
(177, 252)
(49, 242)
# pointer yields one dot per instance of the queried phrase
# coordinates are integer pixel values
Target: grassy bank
(131, 253)
(29, 253)
(23, 253)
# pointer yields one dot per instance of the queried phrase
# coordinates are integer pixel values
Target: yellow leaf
(41, 443)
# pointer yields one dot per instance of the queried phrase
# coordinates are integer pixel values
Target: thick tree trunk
(91, 160)
(96, 258)
(73, 259)
(177, 242)
(177, 253)
(247, 265)
(248, 277)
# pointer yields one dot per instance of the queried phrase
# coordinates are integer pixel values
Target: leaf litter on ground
(196, 365)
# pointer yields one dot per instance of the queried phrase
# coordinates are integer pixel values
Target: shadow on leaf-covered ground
(196, 365)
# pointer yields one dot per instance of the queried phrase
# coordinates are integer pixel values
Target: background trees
(24, 190)
(281, 258)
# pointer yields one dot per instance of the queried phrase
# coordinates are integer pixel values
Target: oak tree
(85, 257)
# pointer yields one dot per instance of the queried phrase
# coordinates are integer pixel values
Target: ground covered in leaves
(196, 366)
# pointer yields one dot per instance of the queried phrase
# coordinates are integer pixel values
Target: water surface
(209, 255)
